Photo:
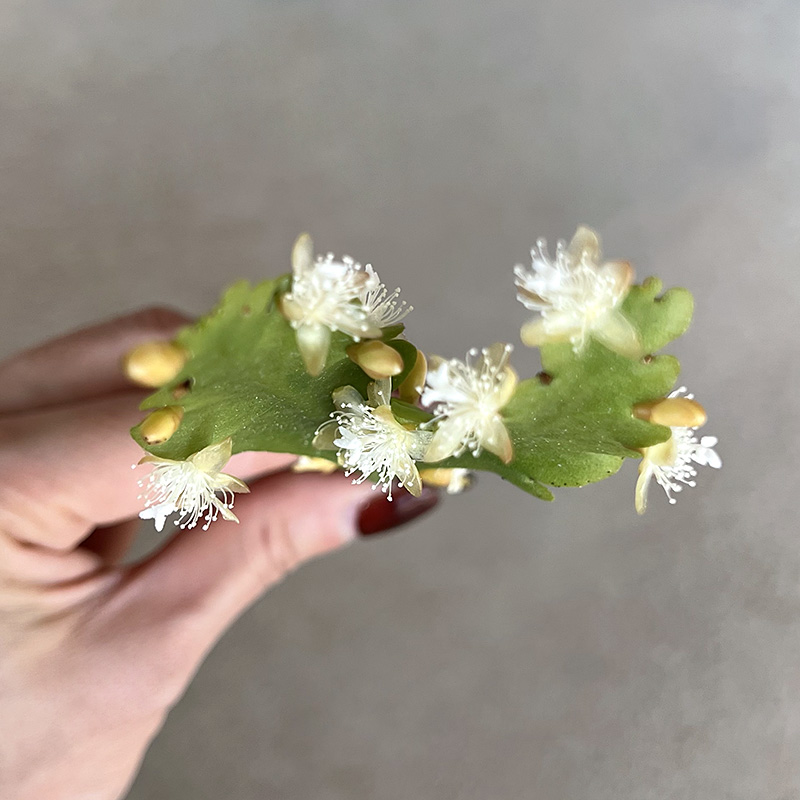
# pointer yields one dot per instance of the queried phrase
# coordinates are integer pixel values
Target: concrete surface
(507, 648)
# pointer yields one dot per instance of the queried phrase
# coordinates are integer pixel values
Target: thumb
(203, 580)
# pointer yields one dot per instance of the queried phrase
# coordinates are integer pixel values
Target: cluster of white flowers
(467, 397)
(578, 297)
(672, 462)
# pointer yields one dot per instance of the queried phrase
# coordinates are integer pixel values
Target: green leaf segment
(570, 425)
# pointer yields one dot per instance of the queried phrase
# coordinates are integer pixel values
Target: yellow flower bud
(454, 481)
(159, 426)
(376, 358)
(682, 412)
(153, 364)
(313, 464)
(411, 388)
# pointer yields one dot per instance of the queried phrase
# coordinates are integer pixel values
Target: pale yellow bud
(681, 412)
(153, 364)
(313, 464)
(454, 481)
(159, 426)
(376, 358)
(411, 388)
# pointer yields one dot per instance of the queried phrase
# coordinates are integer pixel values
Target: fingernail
(381, 514)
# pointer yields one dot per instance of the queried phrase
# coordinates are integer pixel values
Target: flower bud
(453, 481)
(152, 364)
(411, 388)
(314, 464)
(376, 358)
(159, 426)
(682, 412)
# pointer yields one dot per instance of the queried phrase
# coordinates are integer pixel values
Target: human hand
(93, 652)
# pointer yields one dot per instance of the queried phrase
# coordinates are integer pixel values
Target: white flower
(466, 397)
(326, 296)
(577, 296)
(672, 462)
(371, 441)
(190, 487)
(383, 308)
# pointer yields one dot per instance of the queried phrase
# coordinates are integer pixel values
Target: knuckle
(160, 320)
(23, 518)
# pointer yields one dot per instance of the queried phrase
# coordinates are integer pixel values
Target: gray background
(506, 648)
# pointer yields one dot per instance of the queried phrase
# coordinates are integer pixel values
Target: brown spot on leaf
(182, 389)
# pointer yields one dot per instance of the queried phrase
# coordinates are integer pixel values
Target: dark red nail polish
(381, 514)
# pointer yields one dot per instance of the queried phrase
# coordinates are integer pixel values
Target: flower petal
(149, 458)
(347, 397)
(379, 393)
(213, 458)
(498, 441)
(496, 354)
(534, 333)
(585, 243)
(325, 435)
(619, 335)
(303, 254)
(448, 439)
(290, 308)
(313, 342)
(227, 514)
(413, 482)
(233, 484)
(507, 387)
(642, 485)
(352, 320)
(621, 275)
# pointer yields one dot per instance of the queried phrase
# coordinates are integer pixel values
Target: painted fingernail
(381, 514)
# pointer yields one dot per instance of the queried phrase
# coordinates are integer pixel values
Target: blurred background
(506, 648)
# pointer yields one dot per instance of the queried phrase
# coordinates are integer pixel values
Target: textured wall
(506, 648)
